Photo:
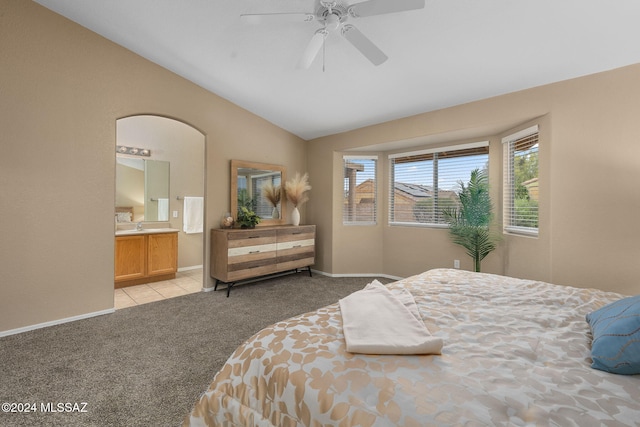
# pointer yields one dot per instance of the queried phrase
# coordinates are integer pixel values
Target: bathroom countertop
(134, 232)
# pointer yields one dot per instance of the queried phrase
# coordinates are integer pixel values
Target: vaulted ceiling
(449, 52)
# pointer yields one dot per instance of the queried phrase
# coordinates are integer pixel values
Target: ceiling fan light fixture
(332, 22)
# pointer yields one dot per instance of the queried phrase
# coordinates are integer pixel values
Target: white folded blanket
(375, 321)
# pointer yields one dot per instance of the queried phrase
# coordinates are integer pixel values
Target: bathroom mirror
(248, 183)
(142, 190)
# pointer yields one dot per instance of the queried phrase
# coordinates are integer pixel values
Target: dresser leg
(309, 268)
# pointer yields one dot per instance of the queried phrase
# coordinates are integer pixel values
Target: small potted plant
(247, 218)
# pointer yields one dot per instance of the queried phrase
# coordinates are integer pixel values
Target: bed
(516, 352)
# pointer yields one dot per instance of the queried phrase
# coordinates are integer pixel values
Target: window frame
(423, 153)
(366, 157)
(508, 187)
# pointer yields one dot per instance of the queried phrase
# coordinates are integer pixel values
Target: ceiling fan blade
(379, 7)
(364, 45)
(259, 18)
(312, 49)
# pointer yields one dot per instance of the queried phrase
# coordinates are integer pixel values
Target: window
(424, 183)
(520, 198)
(253, 184)
(360, 188)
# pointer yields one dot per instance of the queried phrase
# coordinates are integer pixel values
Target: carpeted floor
(147, 365)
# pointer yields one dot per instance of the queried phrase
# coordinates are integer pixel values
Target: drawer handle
(297, 232)
(254, 252)
(297, 246)
(254, 237)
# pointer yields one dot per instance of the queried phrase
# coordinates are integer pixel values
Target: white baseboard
(55, 322)
(193, 267)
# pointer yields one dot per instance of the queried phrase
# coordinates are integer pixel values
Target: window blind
(359, 206)
(423, 184)
(520, 186)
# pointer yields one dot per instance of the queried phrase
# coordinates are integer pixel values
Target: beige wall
(62, 88)
(589, 171)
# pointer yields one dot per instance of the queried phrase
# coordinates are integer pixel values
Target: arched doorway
(178, 148)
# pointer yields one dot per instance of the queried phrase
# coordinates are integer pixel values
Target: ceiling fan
(333, 16)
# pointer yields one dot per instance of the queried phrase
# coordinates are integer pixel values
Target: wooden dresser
(241, 254)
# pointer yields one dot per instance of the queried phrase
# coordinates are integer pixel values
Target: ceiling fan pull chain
(324, 46)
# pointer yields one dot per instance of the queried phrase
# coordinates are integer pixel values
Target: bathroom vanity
(145, 256)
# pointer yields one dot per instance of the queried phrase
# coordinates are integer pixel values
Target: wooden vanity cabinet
(130, 258)
(145, 258)
(238, 254)
(162, 254)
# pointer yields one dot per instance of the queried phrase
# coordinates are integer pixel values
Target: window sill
(521, 231)
(418, 224)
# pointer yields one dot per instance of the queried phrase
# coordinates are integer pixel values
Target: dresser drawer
(296, 254)
(296, 233)
(251, 250)
(295, 244)
(293, 264)
(251, 238)
(250, 270)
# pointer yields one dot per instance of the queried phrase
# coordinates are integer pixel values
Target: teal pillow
(616, 336)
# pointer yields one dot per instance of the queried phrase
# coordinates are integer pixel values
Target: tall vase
(295, 216)
(274, 213)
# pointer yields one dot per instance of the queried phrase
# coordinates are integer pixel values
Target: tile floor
(186, 282)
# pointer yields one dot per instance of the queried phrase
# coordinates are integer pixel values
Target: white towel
(163, 209)
(192, 215)
(375, 321)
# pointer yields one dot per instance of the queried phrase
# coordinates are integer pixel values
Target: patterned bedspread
(515, 353)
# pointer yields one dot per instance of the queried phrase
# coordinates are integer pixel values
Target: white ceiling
(450, 52)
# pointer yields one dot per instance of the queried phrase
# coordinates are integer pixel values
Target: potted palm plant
(469, 223)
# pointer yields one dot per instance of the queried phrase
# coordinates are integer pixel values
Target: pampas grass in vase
(272, 194)
(295, 189)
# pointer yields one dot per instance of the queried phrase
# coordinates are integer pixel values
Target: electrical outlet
(175, 214)
(456, 263)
